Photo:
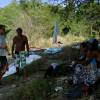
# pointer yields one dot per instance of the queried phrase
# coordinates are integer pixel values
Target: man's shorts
(3, 63)
(20, 59)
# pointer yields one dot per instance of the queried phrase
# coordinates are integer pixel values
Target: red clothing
(20, 42)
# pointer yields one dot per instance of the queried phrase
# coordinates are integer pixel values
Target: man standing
(20, 41)
(3, 52)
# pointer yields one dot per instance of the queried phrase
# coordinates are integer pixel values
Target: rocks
(14, 86)
(59, 89)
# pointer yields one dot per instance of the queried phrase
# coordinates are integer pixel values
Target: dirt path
(7, 88)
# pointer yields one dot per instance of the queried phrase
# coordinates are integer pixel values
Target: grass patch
(43, 42)
(33, 90)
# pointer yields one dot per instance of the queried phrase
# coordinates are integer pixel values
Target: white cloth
(12, 67)
(55, 33)
(54, 65)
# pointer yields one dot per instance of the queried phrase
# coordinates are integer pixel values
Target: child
(52, 71)
(83, 54)
(3, 51)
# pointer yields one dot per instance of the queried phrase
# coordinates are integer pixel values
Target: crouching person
(82, 57)
(84, 78)
(3, 51)
(86, 71)
(52, 70)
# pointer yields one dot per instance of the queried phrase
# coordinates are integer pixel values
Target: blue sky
(3, 3)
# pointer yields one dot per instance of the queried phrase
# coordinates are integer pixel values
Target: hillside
(37, 23)
(37, 20)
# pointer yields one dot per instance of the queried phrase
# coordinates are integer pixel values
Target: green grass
(33, 90)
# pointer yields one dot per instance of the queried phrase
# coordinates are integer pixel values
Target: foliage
(37, 19)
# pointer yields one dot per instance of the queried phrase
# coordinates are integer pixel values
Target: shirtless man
(19, 43)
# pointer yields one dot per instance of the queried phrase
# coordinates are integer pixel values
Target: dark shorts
(3, 62)
(17, 52)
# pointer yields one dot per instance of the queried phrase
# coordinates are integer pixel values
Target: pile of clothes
(53, 50)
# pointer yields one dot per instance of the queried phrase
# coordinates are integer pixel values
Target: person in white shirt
(3, 51)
